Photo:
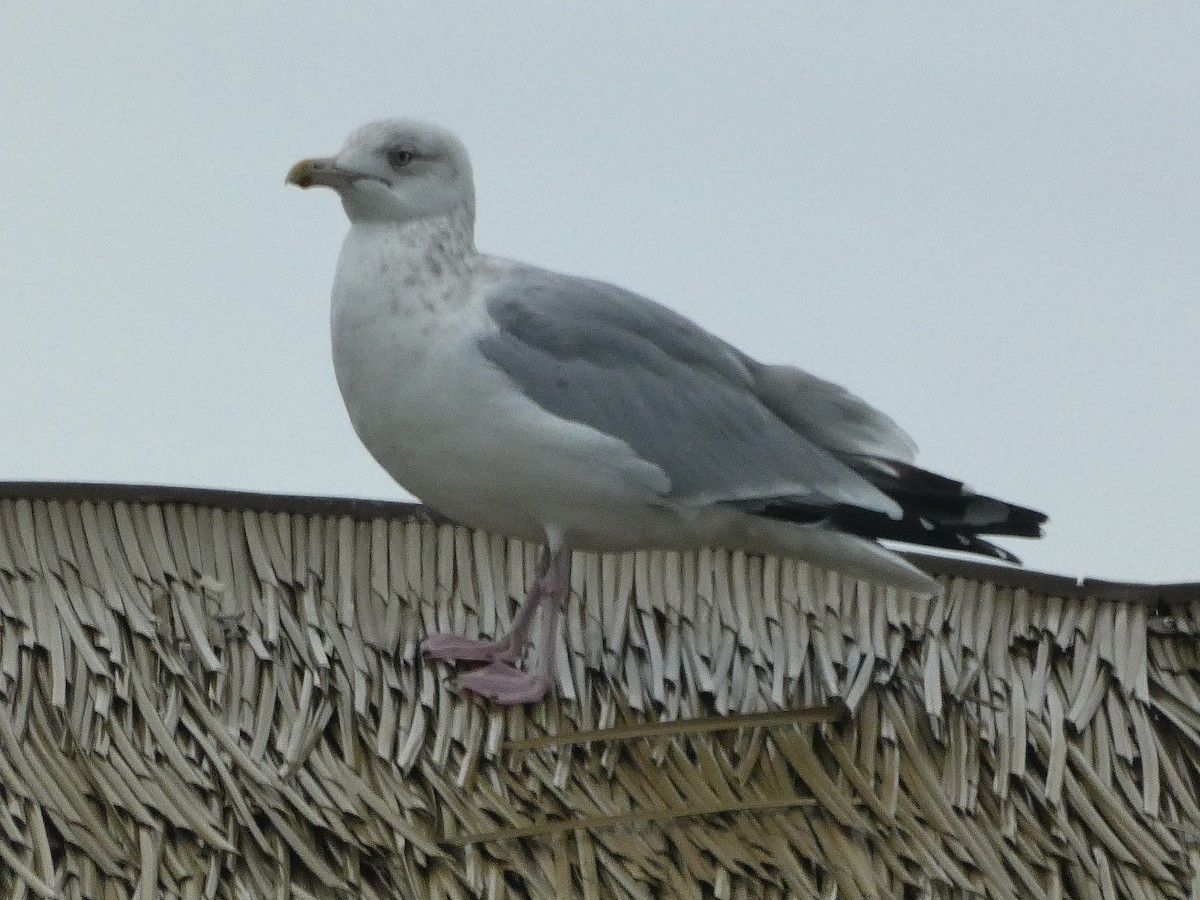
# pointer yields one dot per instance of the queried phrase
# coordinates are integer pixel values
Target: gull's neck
(409, 266)
(441, 244)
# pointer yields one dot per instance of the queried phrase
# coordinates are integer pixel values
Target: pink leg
(500, 680)
(453, 648)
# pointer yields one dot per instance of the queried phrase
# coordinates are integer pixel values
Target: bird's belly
(451, 429)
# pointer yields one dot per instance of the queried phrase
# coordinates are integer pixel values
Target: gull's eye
(398, 157)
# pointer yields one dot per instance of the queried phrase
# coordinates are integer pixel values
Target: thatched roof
(220, 695)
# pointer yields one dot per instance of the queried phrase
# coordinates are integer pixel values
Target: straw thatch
(213, 695)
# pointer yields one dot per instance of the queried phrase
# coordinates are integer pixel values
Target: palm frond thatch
(216, 695)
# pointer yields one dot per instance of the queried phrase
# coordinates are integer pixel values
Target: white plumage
(569, 411)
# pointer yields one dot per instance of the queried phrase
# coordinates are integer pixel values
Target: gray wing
(831, 416)
(683, 399)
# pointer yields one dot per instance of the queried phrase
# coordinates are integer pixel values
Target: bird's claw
(505, 684)
(452, 648)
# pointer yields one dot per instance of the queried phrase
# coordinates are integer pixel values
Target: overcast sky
(983, 219)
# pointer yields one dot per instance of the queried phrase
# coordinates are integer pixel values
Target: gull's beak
(320, 172)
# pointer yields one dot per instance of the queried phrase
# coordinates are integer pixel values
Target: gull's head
(394, 170)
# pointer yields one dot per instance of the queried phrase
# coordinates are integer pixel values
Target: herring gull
(580, 415)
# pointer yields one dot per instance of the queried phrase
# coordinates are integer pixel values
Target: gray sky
(982, 219)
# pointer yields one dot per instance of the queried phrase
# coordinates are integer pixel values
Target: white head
(394, 170)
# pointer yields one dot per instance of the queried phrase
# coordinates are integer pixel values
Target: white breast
(444, 422)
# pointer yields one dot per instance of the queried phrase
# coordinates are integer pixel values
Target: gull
(577, 414)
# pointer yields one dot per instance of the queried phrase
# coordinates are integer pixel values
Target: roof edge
(953, 566)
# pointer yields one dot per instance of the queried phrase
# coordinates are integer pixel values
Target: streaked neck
(406, 266)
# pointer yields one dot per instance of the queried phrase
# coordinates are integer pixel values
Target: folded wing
(772, 440)
(683, 399)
